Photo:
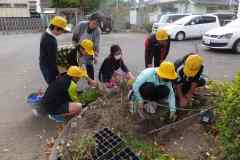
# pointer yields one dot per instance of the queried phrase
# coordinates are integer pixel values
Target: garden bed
(189, 140)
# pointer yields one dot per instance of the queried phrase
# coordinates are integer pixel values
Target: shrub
(228, 121)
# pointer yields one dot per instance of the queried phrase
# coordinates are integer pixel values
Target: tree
(89, 4)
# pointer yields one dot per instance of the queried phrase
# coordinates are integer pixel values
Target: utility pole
(117, 3)
(238, 12)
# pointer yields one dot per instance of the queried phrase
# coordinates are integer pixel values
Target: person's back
(48, 45)
(48, 49)
(156, 48)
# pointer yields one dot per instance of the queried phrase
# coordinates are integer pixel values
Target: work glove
(130, 82)
(141, 111)
(173, 116)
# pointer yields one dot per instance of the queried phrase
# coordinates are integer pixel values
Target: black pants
(185, 87)
(48, 74)
(151, 92)
(156, 57)
(90, 70)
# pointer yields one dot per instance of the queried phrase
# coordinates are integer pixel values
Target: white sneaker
(35, 112)
(150, 107)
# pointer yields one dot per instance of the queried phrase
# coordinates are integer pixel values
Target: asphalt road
(21, 134)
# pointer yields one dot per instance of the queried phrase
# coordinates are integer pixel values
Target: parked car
(226, 37)
(167, 19)
(193, 26)
(106, 24)
(225, 18)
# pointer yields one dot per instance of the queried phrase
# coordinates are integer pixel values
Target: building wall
(32, 5)
(133, 16)
(193, 8)
(14, 8)
(44, 4)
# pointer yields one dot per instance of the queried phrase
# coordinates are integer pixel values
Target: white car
(166, 20)
(226, 37)
(191, 26)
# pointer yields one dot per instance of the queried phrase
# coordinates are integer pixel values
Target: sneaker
(35, 112)
(57, 118)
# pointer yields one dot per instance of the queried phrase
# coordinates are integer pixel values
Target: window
(20, 5)
(196, 20)
(177, 17)
(208, 19)
(5, 5)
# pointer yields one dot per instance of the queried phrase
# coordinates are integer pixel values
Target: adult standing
(48, 48)
(88, 30)
(156, 48)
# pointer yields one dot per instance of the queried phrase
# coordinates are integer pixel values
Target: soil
(187, 141)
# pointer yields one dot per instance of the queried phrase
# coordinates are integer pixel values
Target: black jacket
(153, 48)
(56, 94)
(108, 67)
(48, 52)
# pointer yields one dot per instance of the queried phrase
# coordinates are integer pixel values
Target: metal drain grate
(111, 147)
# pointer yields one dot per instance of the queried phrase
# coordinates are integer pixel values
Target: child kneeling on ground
(155, 84)
(189, 70)
(61, 96)
(113, 69)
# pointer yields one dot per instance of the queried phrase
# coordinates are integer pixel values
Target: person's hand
(149, 65)
(95, 61)
(173, 116)
(96, 54)
(93, 83)
(130, 82)
(188, 97)
(183, 101)
(141, 111)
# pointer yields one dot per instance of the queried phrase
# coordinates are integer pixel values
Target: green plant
(89, 96)
(228, 120)
(84, 149)
(147, 151)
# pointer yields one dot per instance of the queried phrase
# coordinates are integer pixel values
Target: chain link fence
(18, 25)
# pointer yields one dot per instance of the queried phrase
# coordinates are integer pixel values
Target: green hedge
(228, 120)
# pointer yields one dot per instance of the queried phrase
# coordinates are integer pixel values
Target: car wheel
(180, 36)
(108, 30)
(236, 46)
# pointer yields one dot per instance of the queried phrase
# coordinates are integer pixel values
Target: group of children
(167, 81)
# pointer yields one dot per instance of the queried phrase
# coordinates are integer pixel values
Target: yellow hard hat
(78, 72)
(161, 35)
(192, 65)
(59, 22)
(166, 70)
(87, 44)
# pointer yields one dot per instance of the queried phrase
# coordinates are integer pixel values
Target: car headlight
(226, 36)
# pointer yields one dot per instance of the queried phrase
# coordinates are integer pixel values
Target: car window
(225, 18)
(164, 19)
(184, 20)
(208, 19)
(194, 21)
(174, 18)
